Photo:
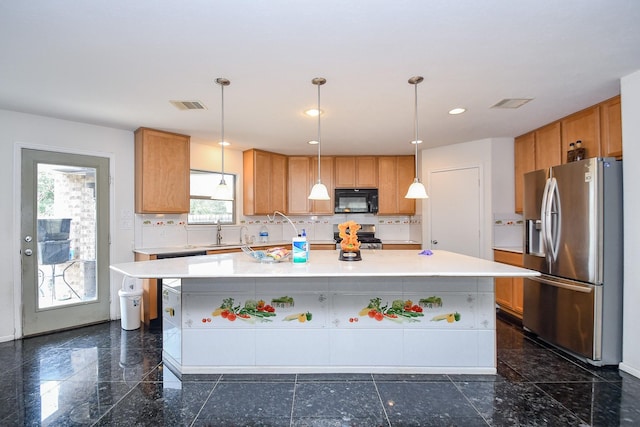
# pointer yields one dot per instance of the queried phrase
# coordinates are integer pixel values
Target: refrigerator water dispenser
(534, 237)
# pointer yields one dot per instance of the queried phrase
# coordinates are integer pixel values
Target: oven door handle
(578, 288)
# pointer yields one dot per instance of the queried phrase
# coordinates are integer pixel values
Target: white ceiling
(118, 63)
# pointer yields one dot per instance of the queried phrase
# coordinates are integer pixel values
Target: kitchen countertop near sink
(400, 242)
(187, 249)
(196, 248)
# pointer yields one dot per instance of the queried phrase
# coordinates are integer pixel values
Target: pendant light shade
(319, 190)
(223, 191)
(416, 189)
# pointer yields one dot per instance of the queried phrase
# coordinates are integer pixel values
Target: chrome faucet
(218, 234)
(241, 239)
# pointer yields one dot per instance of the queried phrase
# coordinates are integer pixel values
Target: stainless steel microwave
(356, 200)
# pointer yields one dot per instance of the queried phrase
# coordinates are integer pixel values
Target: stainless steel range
(366, 236)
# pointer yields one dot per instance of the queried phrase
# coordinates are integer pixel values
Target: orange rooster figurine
(349, 246)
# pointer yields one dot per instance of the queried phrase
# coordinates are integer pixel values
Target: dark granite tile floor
(102, 375)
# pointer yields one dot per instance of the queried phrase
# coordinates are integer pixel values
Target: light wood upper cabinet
(584, 126)
(264, 183)
(162, 172)
(356, 172)
(598, 127)
(303, 174)
(548, 146)
(299, 185)
(396, 175)
(611, 128)
(525, 161)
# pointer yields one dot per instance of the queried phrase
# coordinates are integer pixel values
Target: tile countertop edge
(515, 249)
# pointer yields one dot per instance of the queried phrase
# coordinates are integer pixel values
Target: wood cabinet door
(366, 168)
(584, 126)
(162, 172)
(265, 182)
(395, 175)
(611, 128)
(278, 183)
(323, 207)
(405, 176)
(518, 294)
(504, 291)
(387, 185)
(299, 185)
(345, 172)
(509, 291)
(548, 146)
(261, 183)
(525, 161)
(356, 172)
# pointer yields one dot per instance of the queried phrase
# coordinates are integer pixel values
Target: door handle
(577, 288)
(28, 252)
(435, 242)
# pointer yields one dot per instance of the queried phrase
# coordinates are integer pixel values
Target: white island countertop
(322, 263)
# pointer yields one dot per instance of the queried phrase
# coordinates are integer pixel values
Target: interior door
(454, 198)
(65, 240)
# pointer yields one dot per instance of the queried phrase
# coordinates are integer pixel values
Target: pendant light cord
(415, 124)
(222, 132)
(319, 138)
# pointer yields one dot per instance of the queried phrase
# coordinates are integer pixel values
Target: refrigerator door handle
(543, 216)
(577, 288)
(553, 212)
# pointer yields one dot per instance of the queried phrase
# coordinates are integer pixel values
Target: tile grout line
(384, 410)
(293, 399)
(205, 401)
(468, 400)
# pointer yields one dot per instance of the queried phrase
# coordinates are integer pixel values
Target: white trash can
(130, 307)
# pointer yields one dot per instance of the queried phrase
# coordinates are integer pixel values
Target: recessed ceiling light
(225, 143)
(458, 110)
(313, 112)
(416, 142)
(312, 142)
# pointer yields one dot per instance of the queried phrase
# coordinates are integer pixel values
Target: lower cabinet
(402, 246)
(509, 290)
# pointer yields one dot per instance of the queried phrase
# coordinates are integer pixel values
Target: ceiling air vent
(188, 105)
(511, 103)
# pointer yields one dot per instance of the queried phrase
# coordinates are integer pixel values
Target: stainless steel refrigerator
(573, 236)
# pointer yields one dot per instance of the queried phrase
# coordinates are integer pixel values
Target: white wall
(630, 90)
(495, 161)
(18, 129)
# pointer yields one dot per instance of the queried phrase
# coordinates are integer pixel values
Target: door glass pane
(66, 235)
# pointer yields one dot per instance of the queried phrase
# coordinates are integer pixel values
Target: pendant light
(223, 191)
(319, 190)
(416, 189)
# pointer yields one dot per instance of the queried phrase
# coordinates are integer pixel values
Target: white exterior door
(454, 200)
(64, 240)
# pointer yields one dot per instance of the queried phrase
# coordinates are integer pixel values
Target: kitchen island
(392, 312)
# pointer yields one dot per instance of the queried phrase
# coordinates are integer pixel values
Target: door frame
(485, 225)
(17, 222)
